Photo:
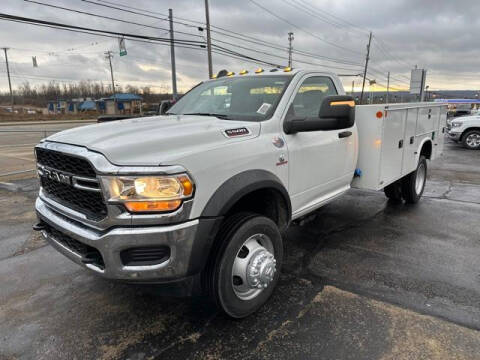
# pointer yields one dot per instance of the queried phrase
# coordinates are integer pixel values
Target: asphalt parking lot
(366, 279)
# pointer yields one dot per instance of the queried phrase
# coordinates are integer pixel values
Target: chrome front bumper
(180, 238)
(454, 135)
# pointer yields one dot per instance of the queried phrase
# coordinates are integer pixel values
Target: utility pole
(366, 66)
(172, 56)
(109, 55)
(388, 87)
(8, 74)
(209, 41)
(290, 48)
(353, 86)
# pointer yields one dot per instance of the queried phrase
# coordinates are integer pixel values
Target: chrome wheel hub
(473, 140)
(420, 178)
(261, 269)
(254, 267)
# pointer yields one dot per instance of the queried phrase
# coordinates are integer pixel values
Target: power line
(340, 20)
(126, 35)
(382, 47)
(301, 29)
(164, 18)
(116, 34)
(35, 77)
(382, 73)
(216, 29)
(283, 57)
(107, 17)
(314, 14)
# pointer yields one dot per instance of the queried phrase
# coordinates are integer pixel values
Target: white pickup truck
(200, 196)
(465, 129)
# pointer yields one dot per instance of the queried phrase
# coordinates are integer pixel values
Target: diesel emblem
(237, 132)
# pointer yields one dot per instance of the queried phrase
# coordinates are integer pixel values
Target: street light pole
(209, 41)
(109, 56)
(290, 48)
(172, 56)
(366, 66)
(388, 87)
(8, 75)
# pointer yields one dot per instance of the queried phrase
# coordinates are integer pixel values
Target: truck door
(320, 162)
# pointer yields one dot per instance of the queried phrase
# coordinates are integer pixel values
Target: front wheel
(413, 184)
(247, 264)
(471, 140)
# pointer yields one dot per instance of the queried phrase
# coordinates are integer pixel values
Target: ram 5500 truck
(201, 195)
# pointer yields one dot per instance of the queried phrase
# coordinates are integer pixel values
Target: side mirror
(164, 106)
(336, 112)
(340, 108)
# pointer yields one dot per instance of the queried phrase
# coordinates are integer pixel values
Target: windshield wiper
(220, 116)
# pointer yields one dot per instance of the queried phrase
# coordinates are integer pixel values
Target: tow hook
(39, 226)
(89, 258)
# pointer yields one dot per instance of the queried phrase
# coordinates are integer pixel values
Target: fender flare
(222, 200)
(419, 149)
(240, 185)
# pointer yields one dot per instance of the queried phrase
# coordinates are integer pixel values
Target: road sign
(123, 49)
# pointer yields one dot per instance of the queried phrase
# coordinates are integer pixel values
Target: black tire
(219, 279)
(394, 191)
(411, 190)
(471, 140)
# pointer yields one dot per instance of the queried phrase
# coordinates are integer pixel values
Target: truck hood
(467, 119)
(157, 140)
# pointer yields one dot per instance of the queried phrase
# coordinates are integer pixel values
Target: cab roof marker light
(214, 76)
(243, 72)
(287, 69)
(259, 70)
(230, 73)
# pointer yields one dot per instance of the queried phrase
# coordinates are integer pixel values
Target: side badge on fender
(278, 141)
(282, 160)
(243, 131)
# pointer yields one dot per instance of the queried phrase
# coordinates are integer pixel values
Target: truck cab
(202, 197)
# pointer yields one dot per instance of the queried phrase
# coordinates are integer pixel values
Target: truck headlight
(456, 124)
(149, 193)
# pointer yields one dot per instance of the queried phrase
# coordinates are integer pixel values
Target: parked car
(201, 198)
(466, 130)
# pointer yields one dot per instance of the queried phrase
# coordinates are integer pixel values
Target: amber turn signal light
(187, 185)
(350, 103)
(152, 206)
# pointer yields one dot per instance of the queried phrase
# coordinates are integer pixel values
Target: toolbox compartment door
(411, 142)
(440, 134)
(393, 144)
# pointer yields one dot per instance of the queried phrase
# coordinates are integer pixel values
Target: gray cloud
(438, 35)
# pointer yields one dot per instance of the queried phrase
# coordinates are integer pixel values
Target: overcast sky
(438, 35)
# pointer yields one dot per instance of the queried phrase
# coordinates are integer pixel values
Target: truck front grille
(88, 202)
(89, 254)
(64, 162)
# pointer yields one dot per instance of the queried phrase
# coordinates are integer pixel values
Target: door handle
(344, 134)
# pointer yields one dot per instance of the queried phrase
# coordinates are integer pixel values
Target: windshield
(251, 98)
